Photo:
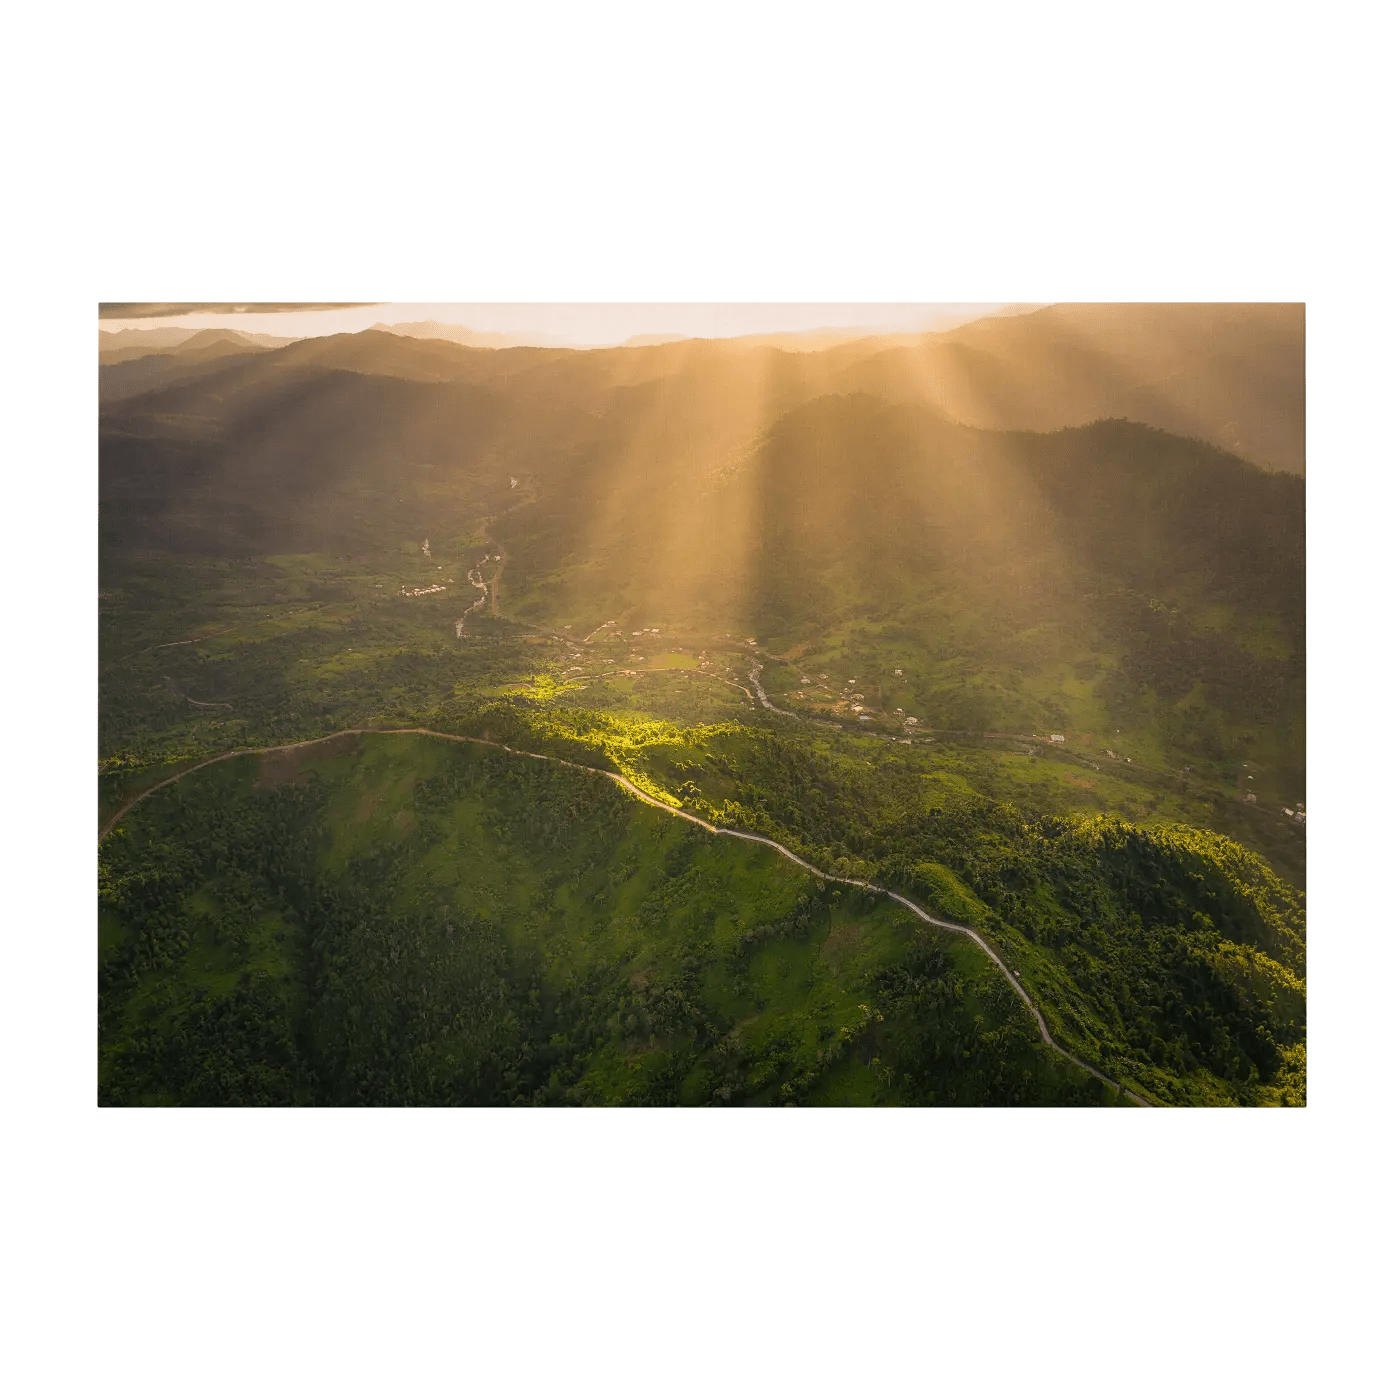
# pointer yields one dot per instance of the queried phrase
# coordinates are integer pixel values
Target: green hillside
(401, 920)
(1170, 959)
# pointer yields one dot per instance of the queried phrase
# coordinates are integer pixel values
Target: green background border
(728, 153)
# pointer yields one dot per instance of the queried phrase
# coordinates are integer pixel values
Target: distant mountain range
(462, 335)
(819, 339)
(1230, 375)
(135, 362)
(116, 347)
(167, 337)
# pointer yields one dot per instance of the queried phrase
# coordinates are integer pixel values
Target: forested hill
(1232, 375)
(852, 507)
(891, 492)
(393, 919)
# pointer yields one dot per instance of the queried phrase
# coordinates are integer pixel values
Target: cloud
(142, 310)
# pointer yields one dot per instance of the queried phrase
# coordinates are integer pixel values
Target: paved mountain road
(651, 801)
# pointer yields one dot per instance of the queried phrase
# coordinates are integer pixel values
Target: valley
(854, 642)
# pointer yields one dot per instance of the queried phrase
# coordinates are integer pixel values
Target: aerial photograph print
(701, 705)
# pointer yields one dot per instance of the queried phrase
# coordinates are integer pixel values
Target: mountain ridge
(1231, 376)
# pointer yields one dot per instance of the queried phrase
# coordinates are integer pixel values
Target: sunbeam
(988, 629)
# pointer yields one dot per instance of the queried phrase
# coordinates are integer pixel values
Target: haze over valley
(992, 632)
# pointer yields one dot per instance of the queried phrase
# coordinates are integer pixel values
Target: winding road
(651, 801)
(674, 811)
(763, 694)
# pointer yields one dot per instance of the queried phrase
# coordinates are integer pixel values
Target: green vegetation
(590, 557)
(401, 920)
(1170, 958)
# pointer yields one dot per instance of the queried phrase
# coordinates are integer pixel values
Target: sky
(592, 323)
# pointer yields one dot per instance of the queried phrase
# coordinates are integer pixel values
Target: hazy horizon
(590, 323)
